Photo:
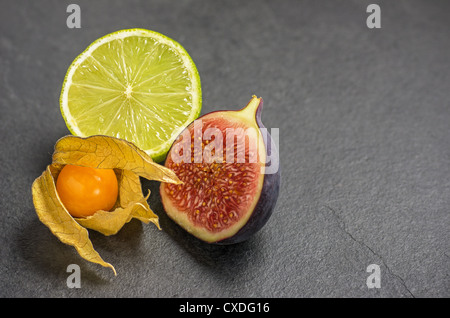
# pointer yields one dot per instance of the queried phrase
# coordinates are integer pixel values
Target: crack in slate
(342, 226)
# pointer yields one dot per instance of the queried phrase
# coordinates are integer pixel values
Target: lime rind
(159, 151)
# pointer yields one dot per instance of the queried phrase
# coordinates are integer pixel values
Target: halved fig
(229, 166)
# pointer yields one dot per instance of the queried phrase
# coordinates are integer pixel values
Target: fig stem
(252, 106)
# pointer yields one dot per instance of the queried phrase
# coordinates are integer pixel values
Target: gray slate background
(364, 119)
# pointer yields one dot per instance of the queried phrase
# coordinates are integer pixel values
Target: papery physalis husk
(128, 162)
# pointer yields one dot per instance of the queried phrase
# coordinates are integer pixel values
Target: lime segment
(137, 85)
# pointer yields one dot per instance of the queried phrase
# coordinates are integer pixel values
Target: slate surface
(364, 119)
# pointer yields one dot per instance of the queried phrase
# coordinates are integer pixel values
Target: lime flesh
(137, 85)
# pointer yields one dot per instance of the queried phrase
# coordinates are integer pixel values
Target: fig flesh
(229, 166)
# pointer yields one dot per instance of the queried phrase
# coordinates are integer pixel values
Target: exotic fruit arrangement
(227, 193)
(130, 100)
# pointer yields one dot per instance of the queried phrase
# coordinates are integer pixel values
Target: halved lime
(135, 84)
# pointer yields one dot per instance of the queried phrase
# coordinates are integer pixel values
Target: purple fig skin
(269, 192)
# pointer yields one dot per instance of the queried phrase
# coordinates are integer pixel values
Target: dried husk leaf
(128, 162)
(109, 223)
(109, 153)
(52, 213)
